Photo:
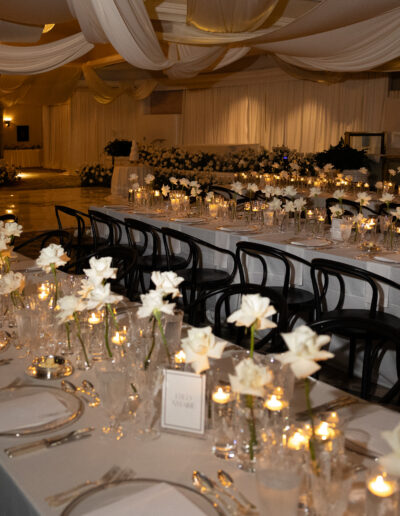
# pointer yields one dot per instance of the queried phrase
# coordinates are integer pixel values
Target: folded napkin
(160, 499)
(30, 411)
(367, 429)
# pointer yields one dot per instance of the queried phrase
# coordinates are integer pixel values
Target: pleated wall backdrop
(302, 115)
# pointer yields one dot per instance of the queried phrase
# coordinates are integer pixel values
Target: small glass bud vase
(249, 429)
(382, 493)
(223, 405)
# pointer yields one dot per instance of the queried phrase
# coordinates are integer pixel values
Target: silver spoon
(227, 481)
(205, 485)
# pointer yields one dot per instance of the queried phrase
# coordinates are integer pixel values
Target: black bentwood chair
(384, 210)
(147, 241)
(199, 277)
(300, 301)
(384, 337)
(124, 259)
(334, 283)
(221, 302)
(46, 238)
(106, 230)
(349, 207)
(9, 217)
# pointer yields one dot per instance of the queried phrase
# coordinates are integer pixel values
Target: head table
(25, 481)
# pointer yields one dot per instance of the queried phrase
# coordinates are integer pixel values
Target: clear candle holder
(223, 404)
(382, 493)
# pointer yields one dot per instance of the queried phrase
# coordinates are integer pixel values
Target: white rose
(68, 305)
(289, 206)
(100, 296)
(363, 171)
(254, 310)
(165, 189)
(275, 204)
(328, 167)
(387, 197)
(363, 198)
(53, 254)
(299, 204)
(100, 269)
(133, 177)
(149, 178)
(304, 351)
(184, 182)
(252, 187)
(250, 378)
(12, 229)
(391, 461)
(315, 191)
(336, 210)
(290, 191)
(167, 282)
(339, 194)
(199, 346)
(11, 281)
(152, 302)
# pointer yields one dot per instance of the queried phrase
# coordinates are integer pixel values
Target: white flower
(4, 248)
(294, 166)
(299, 204)
(254, 310)
(100, 296)
(135, 186)
(275, 165)
(167, 282)
(100, 269)
(391, 461)
(237, 187)
(339, 194)
(363, 198)
(86, 287)
(278, 191)
(133, 177)
(359, 219)
(12, 229)
(153, 302)
(387, 197)
(315, 191)
(209, 196)
(290, 191)
(289, 206)
(250, 378)
(165, 189)
(68, 305)
(275, 204)
(392, 172)
(173, 180)
(194, 184)
(328, 167)
(149, 178)
(199, 345)
(336, 210)
(252, 187)
(11, 281)
(283, 174)
(396, 213)
(363, 171)
(184, 182)
(304, 351)
(379, 185)
(194, 192)
(268, 190)
(53, 254)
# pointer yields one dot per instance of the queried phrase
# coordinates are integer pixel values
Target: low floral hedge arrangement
(95, 175)
(8, 175)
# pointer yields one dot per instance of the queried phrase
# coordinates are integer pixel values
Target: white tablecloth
(23, 157)
(120, 178)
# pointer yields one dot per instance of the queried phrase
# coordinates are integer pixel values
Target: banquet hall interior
(200, 199)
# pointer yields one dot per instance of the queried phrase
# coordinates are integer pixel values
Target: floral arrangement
(342, 157)
(11, 283)
(95, 175)
(178, 180)
(8, 175)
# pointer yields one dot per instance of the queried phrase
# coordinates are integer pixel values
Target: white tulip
(53, 254)
(167, 282)
(304, 351)
(100, 269)
(391, 461)
(153, 302)
(100, 296)
(254, 310)
(68, 305)
(199, 346)
(11, 281)
(250, 378)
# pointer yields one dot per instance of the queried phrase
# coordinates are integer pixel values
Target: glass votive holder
(382, 493)
(180, 360)
(276, 407)
(223, 404)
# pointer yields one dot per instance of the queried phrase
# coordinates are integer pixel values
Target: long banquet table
(25, 481)
(357, 294)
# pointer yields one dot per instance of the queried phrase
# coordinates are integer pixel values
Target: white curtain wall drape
(302, 115)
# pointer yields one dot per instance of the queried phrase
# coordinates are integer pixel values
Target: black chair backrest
(261, 253)
(349, 207)
(384, 210)
(101, 221)
(223, 192)
(322, 271)
(78, 217)
(226, 296)
(193, 258)
(9, 217)
(56, 236)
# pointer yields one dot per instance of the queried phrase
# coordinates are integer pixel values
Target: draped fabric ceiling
(178, 40)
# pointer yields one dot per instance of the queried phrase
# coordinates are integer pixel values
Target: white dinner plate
(118, 207)
(238, 229)
(312, 242)
(106, 494)
(189, 220)
(73, 408)
(388, 258)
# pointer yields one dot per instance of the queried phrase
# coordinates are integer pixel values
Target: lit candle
(180, 357)
(94, 319)
(298, 441)
(324, 431)
(213, 209)
(222, 395)
(381, 487)
(273, 403)
(156, 193)
(44, 291)
(118, 338)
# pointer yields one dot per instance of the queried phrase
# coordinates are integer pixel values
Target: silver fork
(63, 497)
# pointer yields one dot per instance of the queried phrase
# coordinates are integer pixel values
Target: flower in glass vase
(391, 461)
(337, 211)
(70, 307)
(315, 191)
(12, 283)
(363, 198)
(50, 258)
(199, 346)
(149, 178)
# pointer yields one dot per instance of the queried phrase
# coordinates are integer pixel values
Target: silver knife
(50, 442)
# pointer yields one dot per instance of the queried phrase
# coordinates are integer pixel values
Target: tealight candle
(44, 292)
(118, 338)
(156, 193)
(382, 493)
(213, 209)
(324, 431)
(180, 357)
(297, 441)
(380, 486)
(221, 395)
(273, 403)
(94, 319)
